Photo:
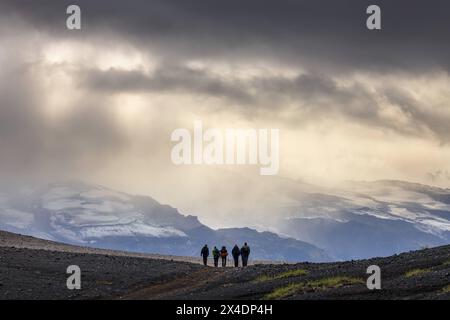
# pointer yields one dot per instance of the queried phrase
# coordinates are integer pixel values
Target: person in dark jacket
(205, 253)
(236, 253)
(224, 255)
(245, 252)
(216, 255)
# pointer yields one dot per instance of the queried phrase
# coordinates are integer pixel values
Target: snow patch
(134, 229)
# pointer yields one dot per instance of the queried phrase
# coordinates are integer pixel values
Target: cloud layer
(100, 103)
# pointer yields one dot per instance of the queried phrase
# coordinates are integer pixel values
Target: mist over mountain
(349, 220)
(367, 219)
(90, 215)
(353, 220)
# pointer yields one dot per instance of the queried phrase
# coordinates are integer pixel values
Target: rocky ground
(35, 269)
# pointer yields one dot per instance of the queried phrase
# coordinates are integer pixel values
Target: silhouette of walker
(205, 253)
(216, 256)
(236, 252)
(224, 255)
(245, 252)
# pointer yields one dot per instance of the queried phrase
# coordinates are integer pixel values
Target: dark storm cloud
(424, 117)
(310, 90)
(321, 33)
(167, 78)
(325, 38)
(314, 96)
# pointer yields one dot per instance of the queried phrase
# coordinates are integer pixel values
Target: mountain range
(358, 220)
(353, 220)
(90, 215)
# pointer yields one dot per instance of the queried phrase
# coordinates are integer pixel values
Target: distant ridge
(94, 216)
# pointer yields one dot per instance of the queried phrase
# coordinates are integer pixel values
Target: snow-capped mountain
(90, 215)
(81, 213)
(366, 219)
(350, 221)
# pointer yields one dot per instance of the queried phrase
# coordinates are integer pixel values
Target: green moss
(446, 289)
(416, 272)
(287, 274)
(292, 273)
(284, 291)
(264, 278)
(320, 284)
(334, 282)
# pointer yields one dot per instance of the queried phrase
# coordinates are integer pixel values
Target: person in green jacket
(216, 255)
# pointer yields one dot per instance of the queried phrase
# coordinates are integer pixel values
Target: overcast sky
(99, 104)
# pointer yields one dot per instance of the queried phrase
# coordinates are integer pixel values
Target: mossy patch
(285, 291)
(416, 272)
(283, 275)
(320, 284)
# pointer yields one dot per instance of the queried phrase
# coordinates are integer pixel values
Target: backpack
(224, 253)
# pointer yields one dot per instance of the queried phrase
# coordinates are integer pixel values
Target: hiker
(224, 254)
(216, 255)
(245, 252)
(236, 253)
(205, 253)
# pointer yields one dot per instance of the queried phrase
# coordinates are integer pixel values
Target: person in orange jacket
(224, 255)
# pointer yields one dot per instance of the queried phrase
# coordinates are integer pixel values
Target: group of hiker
(243, 252)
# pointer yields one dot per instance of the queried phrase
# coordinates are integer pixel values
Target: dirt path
(179, 286)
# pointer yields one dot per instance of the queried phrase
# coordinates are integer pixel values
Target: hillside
(39, 273)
